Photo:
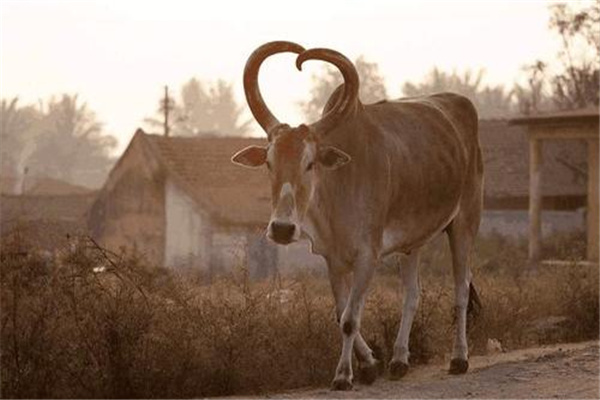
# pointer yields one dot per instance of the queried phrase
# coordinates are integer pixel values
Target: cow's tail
(474, 306)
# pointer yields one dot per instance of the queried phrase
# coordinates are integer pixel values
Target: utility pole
(166, 106)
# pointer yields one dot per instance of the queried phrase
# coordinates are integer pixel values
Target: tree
(193, 116)
(533, 98)
(575, 80)
(226, 113)
(372, 87)
(205, 109)
(491, 101)
(70, 144)
(577, 85)
(18, 126)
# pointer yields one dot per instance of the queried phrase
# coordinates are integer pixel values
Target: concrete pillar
(593, 224)
(535, 198)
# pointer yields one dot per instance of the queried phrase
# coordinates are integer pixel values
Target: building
(562, 128)
(43, 212)
(181, 202)
(506, 168)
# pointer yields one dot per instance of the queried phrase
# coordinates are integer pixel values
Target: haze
(118, 54)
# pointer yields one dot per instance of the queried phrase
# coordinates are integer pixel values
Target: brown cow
(369, 180)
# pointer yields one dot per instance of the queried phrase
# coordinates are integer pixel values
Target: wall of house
(515, 223)
(297, 257)
(243, 247)
(187, 233)
(263, 257)
(129, 210)
(193, 241)
(229, 250)
(249, 248)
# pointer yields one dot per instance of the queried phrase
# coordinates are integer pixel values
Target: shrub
(87, 323)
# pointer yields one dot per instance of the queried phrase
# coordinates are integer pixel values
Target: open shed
(565, 126)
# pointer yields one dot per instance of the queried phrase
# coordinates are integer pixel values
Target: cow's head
(295, 157)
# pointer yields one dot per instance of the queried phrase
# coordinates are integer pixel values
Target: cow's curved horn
(255, 100)
(351, 85)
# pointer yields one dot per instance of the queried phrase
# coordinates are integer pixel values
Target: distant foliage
(491, 101)
(572, 79)
(71, 145)
(533, 97)
(372, 87)
(19, 126)
(61, 139)
(204, 109)
(577, 85)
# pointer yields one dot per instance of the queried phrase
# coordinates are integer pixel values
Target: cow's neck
(315, 227)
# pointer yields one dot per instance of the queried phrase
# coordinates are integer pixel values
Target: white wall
(228, 250)
(186, 240)
(191, 241)
(515, 223)
(296, 257)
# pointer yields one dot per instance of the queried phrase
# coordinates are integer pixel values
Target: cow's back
(409, 160)
(434, 147)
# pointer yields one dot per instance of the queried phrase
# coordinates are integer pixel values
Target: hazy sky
(118, 54)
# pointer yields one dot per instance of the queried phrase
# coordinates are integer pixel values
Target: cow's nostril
(282, 231)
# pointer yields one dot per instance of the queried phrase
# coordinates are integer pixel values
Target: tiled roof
(202, 166)
(41, 185)
(45, 207)
(241, 196)
(506, 162)
(587, 114)
(53, 187)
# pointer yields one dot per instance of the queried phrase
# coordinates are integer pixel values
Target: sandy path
(558, 371)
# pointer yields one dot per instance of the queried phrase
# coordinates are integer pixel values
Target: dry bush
(86, 323)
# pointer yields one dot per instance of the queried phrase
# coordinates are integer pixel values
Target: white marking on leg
(350, 321)
(461, 298)
(340, 283)
(460, 245)
(410, 299)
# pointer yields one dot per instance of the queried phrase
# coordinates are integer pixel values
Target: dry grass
(137, 331)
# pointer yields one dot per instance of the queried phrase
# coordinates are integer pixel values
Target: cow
(366, 181)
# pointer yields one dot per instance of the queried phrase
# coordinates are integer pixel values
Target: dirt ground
(558, 371)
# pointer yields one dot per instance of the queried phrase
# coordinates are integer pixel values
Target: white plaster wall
(262, 255)
(228, 250)
(185, 232)
(515, 223)
(192, 242)
(296, 257)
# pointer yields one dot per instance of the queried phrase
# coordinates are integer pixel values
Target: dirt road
(559, 371)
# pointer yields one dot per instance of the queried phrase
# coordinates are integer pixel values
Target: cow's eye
(310, 166)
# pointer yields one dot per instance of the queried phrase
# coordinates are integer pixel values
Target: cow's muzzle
(282, 232)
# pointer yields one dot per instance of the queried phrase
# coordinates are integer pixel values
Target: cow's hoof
(367, 374)
(341, 384)
(397, 369)
(458, 366)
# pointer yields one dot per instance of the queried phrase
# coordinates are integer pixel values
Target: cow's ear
(332, 158)
(251, 156)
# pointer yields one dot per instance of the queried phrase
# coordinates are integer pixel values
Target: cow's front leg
(410, 299)
(350, 320)
(369, 368)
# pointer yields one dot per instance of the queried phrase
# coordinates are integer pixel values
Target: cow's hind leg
(461, 234)
(410, 303)
(369, 368)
